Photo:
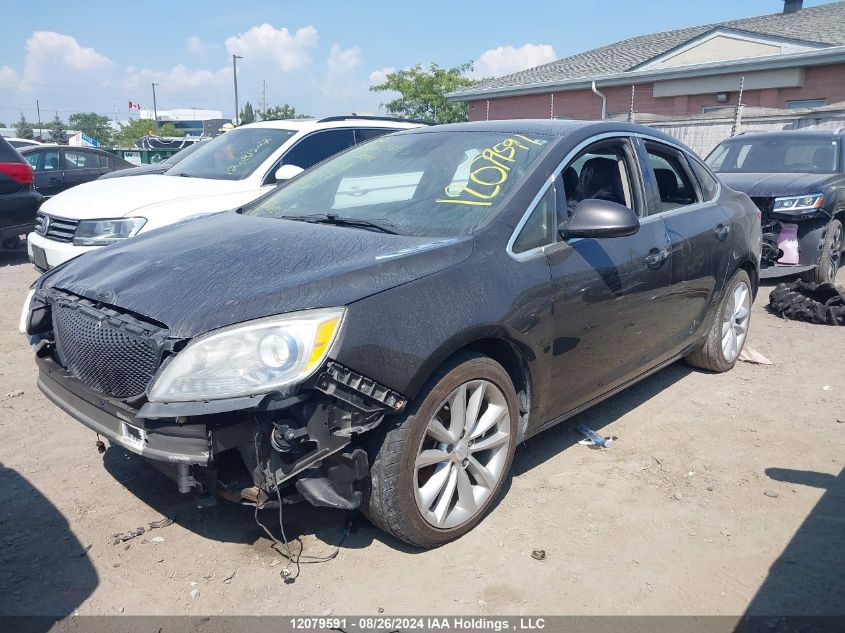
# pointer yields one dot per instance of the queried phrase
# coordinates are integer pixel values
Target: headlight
(105, 232)
(254, 357)
(796, 205)
(25, 312)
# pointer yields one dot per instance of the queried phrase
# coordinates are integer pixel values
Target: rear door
(48, 173)
(80, 166)
(699, 235)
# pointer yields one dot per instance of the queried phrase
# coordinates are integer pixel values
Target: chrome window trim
(534, 252)
(530, 254)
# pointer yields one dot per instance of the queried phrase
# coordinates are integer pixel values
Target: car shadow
(14, 258)
(47, 572)
(560, 437)
(808, 578)
(231, 523)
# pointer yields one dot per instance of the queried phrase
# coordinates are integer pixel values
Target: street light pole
(235, 59)
(155, 108)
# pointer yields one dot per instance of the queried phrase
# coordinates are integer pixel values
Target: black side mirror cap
(599, 218)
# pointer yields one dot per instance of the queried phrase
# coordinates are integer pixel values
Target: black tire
(709, 355)
(390, 502)
(831, 256)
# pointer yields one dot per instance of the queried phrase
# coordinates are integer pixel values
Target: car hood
(116, 197)
(220, 270)
(773, 185)
(141, 170)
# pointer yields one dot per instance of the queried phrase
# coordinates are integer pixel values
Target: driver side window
(602, 172)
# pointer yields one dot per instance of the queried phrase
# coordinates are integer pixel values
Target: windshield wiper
(380, 224)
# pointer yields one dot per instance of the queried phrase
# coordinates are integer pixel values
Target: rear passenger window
(673, 180)
(318, 147)
(708, 183)
(539, 230)
(362, 135)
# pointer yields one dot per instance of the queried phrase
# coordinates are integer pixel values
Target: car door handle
(721, 231)
(655, 257)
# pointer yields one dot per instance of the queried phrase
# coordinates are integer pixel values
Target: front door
(609, 293)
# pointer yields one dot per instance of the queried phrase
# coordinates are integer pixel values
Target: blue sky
(320, 56)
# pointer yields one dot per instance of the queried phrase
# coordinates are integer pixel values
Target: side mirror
(599, 218)
(286, 172)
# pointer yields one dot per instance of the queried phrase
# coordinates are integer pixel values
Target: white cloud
(507, 59)
(341, 79)
(179, 77)
(49, 53)
(343, 60)
(265, 42)
(379, 76)
(8, 77)
(195, 45)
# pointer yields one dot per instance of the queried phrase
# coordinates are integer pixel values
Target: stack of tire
(804, 301)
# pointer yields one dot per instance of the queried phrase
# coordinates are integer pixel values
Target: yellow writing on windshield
(488, 172)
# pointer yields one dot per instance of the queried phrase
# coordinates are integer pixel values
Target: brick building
(789, 60)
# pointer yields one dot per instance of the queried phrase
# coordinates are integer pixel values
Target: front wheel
(719, 351)
(831, 255)
(437, 472)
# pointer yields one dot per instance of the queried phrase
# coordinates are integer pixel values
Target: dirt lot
(724, 494)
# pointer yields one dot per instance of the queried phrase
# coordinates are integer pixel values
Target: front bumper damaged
(282, 447)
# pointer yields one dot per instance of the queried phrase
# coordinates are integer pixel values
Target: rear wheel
(727, 334)
(831, 255)
(438, 471)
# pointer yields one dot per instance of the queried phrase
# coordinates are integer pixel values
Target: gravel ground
(724, 494)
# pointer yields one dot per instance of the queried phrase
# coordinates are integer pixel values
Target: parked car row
(383, 329)
(223, 173)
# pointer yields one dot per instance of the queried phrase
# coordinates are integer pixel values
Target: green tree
(422, 93)
(168, 129)
(58, 131)
(133, 130)
(23, 129)
(94, 125)
(247, 114)
(2, 124)
(277, 113)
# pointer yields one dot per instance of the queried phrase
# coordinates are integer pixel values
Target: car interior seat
(667, 184)
(823, 157)
(53, 163)
(600, 179)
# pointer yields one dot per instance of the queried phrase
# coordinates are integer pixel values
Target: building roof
(823, 24)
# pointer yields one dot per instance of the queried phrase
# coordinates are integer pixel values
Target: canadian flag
(134, 106)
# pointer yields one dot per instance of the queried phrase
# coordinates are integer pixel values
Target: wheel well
(751, 269)
(508, 356)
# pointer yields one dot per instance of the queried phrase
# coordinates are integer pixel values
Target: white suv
(229, 171)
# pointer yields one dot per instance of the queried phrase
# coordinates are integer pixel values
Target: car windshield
(182, 154)
(428, 184)
(233, 155)
(791, 156)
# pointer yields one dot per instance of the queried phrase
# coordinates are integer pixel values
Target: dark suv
(797, 180)
(19, 201)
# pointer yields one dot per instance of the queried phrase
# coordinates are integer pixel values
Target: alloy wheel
(835, 254)
(735, 317)
(463, 454)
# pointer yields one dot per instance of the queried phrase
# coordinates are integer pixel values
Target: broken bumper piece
(257, 451)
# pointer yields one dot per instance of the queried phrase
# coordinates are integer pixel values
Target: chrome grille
(112, 353)
(55, 228)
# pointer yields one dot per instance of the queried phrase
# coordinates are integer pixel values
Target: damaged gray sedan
(382, 331)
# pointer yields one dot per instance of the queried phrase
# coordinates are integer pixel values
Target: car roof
(549, 127)
(831, 135)
(57, 146)
(305, 125)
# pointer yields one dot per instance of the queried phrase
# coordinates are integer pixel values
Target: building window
(719, 108)
(806, 103)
